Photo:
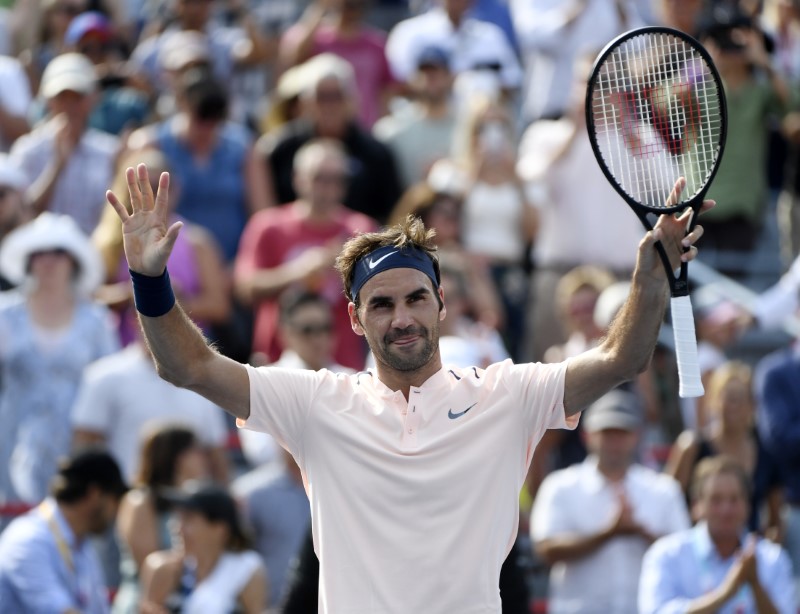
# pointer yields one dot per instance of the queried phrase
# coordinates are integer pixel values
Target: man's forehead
(395, 282)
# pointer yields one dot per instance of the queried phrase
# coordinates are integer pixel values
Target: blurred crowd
(287, 126)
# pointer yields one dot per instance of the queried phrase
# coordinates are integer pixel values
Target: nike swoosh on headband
(373, 263)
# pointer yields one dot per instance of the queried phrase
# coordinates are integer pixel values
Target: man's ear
(443, 310)
(355, 323)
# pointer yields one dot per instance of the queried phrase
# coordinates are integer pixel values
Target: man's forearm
(571, 547)
(763, 601)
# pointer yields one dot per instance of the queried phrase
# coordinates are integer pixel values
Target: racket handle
(686, 347)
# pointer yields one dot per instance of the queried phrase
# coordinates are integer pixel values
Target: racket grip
(686, 348)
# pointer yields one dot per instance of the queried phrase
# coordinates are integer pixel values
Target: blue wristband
(152, 296)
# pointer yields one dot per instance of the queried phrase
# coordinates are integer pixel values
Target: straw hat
(47, 232)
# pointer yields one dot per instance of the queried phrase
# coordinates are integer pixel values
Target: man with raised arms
(413, 469)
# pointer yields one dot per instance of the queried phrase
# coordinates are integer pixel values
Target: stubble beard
(412, 362)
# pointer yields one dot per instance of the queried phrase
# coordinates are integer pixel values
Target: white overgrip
(686, 348)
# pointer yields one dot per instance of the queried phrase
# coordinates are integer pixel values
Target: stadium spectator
(199, 275)
(595, 559)
(731, 432)
(713, 567)
(473, 45)
(213, 569)
(119, 107)
(294, 246)
(277, 513)
(200, 137)
(171, 455)
(328, 96)
(421, 132)
(69, 165)
(683, 15)
(48, 335)
(47, 561)
(339, 27)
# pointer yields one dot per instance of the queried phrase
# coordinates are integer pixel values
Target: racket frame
(679, 285)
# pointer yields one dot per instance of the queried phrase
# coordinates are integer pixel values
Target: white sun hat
(47, 232)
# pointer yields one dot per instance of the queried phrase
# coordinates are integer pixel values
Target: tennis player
(413, 469)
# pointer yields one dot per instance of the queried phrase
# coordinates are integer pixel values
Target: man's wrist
(153, 296)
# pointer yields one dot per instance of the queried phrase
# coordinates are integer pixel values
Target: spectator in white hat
(68, 164)
(47, 337)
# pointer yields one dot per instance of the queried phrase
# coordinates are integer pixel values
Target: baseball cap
(68, 72)
(617, 409)
(433, 56)
(90, 22)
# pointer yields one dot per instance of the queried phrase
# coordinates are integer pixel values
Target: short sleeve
(15, 95)
(280, 401)
(657, 590)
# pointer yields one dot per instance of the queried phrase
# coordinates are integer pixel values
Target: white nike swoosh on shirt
(373, 263)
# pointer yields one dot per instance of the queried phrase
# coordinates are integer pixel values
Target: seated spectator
(277, 513)
(306, 333)
(474, 45)
(47, 561)
(294, 246)
(196, 266)
(731, 432)
(68, 164)
(170, 456)
(339, 27)
(329, 112)
(213, 569)
(48, 336)
(199, 138)
(121, 396)
(594, 521)
(713, 567)
(421, 132)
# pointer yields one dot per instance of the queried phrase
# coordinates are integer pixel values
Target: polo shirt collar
(440, 379)
(596, 481)
(703, 545)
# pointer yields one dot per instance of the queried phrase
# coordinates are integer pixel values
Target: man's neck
(404, 380)
(612, 473)
(435, 109)
(315, 213)
(726, 546)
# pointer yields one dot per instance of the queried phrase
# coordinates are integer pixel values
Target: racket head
(656, 111)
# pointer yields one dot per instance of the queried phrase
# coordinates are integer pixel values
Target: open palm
(147, 239)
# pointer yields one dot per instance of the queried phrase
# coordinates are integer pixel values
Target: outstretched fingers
(144, 186)
(112, 199)
(162, 197)
(675, 195)
(133, 190)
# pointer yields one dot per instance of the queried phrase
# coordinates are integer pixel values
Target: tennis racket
(655, 112)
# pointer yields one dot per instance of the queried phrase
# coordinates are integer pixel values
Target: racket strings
(657, 115)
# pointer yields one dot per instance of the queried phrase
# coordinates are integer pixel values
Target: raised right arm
(181, 353)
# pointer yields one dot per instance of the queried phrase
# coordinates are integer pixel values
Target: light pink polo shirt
(414, 504)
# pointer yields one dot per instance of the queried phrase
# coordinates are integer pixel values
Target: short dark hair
(84, 469)
(205, 97)
(293, 300)
(713, 466)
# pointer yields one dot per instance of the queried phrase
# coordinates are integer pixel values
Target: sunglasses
(312, 330)
(330, 96)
